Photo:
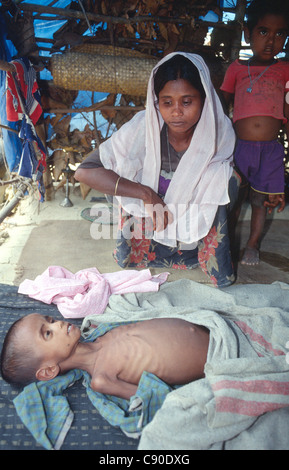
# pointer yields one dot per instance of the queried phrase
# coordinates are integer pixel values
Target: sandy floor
(44, 234)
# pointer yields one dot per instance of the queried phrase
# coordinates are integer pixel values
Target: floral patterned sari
(212, 253)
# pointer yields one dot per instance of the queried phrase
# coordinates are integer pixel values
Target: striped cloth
(23, 104)
(22, 93)
(243, 400)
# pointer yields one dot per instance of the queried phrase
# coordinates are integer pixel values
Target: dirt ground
(40, 235)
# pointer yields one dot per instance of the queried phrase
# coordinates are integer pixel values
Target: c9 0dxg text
(165, 459)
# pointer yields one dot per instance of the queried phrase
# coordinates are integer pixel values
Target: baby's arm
(112, 385)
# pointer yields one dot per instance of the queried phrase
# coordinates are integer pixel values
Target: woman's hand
(107, 182)
(157, 210)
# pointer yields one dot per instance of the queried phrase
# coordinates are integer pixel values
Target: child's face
(53, 340)
(268, 37)
(180, 105)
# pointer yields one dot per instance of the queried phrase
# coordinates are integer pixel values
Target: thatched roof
(153, 27)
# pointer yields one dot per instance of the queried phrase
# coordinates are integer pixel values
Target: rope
(85, 15)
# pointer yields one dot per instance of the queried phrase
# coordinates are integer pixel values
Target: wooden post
(239, 19)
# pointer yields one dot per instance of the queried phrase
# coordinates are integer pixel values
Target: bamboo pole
(67, 13)
(7, 66)
(239, 20)
(14, 201)
(9, 129)
(95, 107)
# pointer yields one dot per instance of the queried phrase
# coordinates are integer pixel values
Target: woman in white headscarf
(170, 169)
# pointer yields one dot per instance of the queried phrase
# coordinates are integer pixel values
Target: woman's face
(180, 105)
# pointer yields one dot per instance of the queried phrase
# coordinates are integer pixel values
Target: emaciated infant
(39, 348)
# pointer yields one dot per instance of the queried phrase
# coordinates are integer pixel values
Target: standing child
(258, 87)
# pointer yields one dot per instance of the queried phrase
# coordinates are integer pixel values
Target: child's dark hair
(18, 365)
(257, 9)
(175, 68)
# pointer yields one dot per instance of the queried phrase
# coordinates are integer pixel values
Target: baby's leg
(258, 217)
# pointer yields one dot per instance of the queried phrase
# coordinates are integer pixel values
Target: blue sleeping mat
(89, 430)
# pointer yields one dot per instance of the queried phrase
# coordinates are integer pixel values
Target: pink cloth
(87, 291)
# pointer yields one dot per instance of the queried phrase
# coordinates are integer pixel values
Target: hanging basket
(102, 49)
(109, 72)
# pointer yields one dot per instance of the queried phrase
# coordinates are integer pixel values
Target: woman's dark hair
(175, 68)
(257, 9)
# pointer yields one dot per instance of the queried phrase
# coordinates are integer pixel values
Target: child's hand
(275, 200)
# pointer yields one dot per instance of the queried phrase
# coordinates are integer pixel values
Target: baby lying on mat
(39, 348)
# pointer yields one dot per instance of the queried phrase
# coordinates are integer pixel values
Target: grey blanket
(242, 403)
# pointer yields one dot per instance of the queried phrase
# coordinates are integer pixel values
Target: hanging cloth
(23, 104)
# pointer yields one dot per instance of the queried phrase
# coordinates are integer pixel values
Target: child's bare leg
(258, 218)
(235, 213)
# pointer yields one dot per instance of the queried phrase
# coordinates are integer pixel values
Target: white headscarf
(200, 182)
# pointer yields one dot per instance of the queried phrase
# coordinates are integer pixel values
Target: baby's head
(19, 361)
(35, 347)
